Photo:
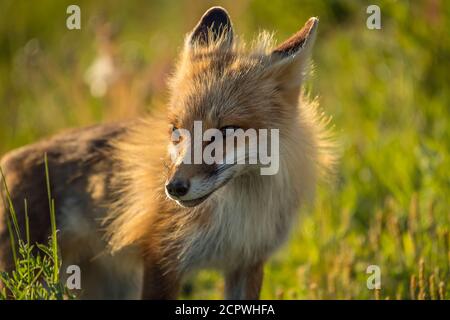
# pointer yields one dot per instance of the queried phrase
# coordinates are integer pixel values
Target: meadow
(387, 92)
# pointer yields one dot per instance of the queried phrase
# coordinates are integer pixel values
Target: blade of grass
(12, 241)
(54, 245)
(51, 204)
(27, 232)
(11, 210)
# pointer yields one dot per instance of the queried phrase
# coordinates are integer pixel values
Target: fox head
(219, 84)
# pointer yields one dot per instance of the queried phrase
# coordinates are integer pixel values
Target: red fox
(136, 218)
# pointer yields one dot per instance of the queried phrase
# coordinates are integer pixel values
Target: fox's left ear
(289, 61)
(215, 25)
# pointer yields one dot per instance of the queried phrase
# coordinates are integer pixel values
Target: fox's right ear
(299, 43)
(289, 60)
(214, 25)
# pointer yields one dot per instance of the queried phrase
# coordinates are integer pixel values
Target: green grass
(36, 273)
(387, 91)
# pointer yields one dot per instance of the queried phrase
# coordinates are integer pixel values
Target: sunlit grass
(36, 272)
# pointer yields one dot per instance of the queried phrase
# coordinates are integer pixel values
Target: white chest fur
(252, 218)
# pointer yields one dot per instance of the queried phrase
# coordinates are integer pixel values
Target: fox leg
(244, 283)
(159, 283)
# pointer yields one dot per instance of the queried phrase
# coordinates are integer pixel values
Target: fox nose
(178, 187)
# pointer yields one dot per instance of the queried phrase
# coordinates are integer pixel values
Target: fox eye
(172, 129)
(225, 128)
(175, 135)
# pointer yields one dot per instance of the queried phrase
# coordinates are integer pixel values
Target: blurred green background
(387, 91)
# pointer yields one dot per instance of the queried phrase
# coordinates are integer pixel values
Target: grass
(324, 263)
(36, 273)
(387, 91)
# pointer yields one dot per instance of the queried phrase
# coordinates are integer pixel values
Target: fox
(137, 219)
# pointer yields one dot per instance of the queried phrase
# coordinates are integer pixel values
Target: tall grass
(36, 273)
(328, 258)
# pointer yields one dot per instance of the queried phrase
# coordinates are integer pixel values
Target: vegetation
(37, 266)
(387, 91)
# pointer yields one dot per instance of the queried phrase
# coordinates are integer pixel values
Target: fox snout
(178, 187)
(190, 184)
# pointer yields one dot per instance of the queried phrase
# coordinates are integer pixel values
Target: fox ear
(215, 24)
(299, 42)
(289, 60)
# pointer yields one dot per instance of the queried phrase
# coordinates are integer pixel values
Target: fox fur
(116, 220)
